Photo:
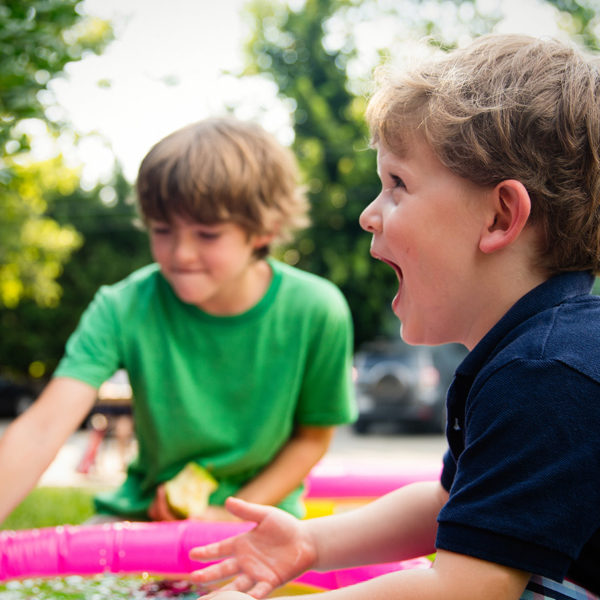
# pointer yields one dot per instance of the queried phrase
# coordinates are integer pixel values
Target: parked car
(15, 397)
(402, 384)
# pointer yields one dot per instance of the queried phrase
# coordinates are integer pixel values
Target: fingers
(220, 595)
(238, 508)
(159, 509)
(261, 590)
(218, 572)
(213, 551)
(247, 511)
(243, 583)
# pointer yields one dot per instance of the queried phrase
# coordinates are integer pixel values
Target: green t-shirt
(223, 391)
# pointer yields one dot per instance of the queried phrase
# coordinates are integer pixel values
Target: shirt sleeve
(448, 471)
(92, 352)
(327, 393)
(525, 490)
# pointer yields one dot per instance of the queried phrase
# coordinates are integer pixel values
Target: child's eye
(208, 235)
(160, 230)
(398, 182)
(207, 232)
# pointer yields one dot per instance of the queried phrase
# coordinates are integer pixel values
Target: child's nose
(370, 219)
(183, 249)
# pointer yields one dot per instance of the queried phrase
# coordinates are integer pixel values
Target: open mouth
(393, 265)
(396, 268)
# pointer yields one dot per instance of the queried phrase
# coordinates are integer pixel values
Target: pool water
(113, 587)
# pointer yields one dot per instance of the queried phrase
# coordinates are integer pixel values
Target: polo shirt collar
(552, 292)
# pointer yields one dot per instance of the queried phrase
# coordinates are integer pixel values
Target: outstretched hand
(277, 550)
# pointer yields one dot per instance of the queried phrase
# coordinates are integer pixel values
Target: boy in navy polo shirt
(490, 215)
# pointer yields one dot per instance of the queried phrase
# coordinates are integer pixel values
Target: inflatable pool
(162, 548)
(124, 548)
(337, 478)
(335, 485)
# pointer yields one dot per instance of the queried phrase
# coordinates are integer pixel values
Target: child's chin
(187, 297)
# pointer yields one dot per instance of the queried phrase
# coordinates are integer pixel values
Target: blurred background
(86, 87)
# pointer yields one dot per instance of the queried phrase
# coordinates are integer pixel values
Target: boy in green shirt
(237, 362)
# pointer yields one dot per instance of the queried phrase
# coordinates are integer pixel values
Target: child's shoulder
(574, 333)
(567, 333)
(140, 282)
(309, 285)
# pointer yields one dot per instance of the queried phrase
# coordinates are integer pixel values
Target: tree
(580, 19)
(331, 145)
(33, 246)
(37, 40)
(111, 247)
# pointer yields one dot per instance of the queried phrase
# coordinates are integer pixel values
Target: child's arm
(460, 577)
(31, 442)
(398, 526)
(289, 468)
(273, 483)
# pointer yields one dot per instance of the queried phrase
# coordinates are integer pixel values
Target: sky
(165, 70)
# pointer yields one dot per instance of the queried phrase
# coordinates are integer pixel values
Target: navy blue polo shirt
(523, 465)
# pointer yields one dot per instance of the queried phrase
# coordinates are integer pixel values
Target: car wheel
(361, 426)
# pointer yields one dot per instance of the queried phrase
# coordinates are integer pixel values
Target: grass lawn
(50, 506)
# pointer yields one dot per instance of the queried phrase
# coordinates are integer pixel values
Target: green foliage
(580, 19)
(38, 39)
(33, 246)
(332, 147)
(112, 247)
(51, 506)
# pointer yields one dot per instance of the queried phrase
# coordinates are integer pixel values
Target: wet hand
(277, 550)
(159, 509)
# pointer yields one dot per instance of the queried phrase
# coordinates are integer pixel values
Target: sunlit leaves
(580, 18)
(38, 39)
(34, 246)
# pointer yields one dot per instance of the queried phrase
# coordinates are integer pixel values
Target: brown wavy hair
(223, 169)
(510, 107)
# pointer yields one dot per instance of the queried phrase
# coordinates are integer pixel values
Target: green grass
(51, 506)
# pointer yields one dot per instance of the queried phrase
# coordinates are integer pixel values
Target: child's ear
(509, 210)
(262, 240)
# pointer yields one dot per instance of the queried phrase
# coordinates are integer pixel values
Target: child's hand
(226, 596)
(274, 552)
(159, 509)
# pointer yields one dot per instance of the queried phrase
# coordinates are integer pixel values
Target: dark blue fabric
(523, 466)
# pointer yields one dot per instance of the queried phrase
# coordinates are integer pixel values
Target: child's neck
(249, 291)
